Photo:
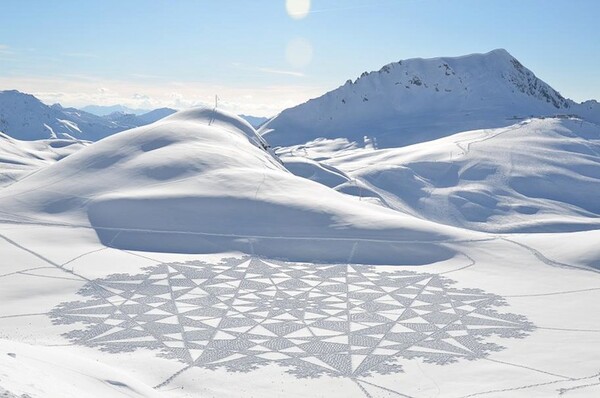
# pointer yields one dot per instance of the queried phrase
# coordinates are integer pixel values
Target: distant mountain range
(24, 117)
(104, 110)
(418, 100)
(255, 121)
(403, 103)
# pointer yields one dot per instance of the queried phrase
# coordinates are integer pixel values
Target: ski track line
(528, 368)
(24, 270)
(173, 376)
(527, 386)
(473, 262)
(545, 259)
(362, 389)
(488, 136)
(12, 242)
(23, 315)
(223, 235)
(83, 255)
(554, 293)
(562, 391)
(384, 388)
(569, 330)
(50, 277)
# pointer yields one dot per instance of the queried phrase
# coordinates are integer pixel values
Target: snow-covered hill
(24, 117)
(418, 100)
(202, 181)
(20, 158)
(539, 175)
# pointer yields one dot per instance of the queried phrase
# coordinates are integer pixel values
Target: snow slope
(418, 100)
(539, 175)
(50, 372)
(19, 158)
(202, 181)
(24, 117)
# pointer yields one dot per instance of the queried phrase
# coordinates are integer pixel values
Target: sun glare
(299, 52)
(297, 9)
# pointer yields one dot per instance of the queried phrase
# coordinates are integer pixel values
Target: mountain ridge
(25, 117)
(419, 99)
(105, 110)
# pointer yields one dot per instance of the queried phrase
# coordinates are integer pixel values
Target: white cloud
(5, 50)
(281, 72)
(299, 52)
(262, 69)
(81, 55)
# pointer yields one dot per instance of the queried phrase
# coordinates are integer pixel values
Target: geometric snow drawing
(339, 320)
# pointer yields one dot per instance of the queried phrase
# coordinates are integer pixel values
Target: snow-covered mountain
(131, 120)
(255, 121)
(418, 100)
(155, 115)
(25, 117)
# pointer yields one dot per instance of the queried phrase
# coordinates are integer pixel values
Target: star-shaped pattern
(340, 320)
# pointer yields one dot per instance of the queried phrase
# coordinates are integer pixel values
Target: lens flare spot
(297, 9)
(299, 52)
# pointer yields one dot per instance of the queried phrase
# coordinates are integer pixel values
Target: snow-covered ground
(506, 317)
(183, 259)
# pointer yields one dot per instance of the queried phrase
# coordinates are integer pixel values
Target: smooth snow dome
(202, 181)
(418, 100)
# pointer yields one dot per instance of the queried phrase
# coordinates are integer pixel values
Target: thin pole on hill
(214, 110)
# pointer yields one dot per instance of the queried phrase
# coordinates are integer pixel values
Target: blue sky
(260, 59)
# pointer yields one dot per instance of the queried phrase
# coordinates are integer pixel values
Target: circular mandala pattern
(338, 320)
